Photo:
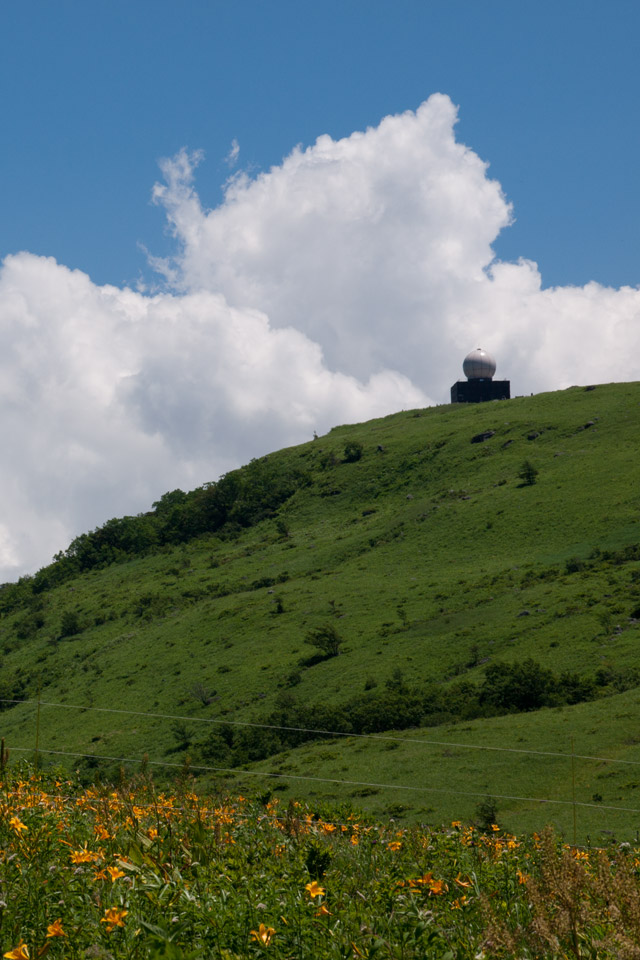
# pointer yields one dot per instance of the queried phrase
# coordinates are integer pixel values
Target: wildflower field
(128, 872)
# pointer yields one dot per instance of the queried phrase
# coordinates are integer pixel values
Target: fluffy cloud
(379, 247)
(111, 397)
(346, 283)
(369, 245)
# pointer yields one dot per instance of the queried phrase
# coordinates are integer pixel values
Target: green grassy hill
(431, 561)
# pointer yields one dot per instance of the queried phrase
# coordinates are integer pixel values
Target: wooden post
(38, 724)
(573, 792)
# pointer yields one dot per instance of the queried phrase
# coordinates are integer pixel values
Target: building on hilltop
(479, 368)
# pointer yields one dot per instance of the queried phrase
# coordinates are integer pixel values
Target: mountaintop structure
(479, 368)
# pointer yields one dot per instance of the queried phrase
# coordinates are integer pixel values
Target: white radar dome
(479, 365)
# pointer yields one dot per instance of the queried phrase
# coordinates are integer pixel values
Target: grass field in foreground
(127, 872)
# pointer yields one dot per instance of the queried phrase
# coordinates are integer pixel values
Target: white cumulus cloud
(111, 397)
(346, 283)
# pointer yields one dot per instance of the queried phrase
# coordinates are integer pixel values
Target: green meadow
(127, 872)
(439, 570)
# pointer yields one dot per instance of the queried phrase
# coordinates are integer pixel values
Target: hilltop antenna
(479, 368)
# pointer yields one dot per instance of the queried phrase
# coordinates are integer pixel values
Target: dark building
(479, 368)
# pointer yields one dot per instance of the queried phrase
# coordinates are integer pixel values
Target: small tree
(202, 693)
(326, 639)
(486, 814)
(528, 473)
(182, 735)
(70, 624)
(352, 451)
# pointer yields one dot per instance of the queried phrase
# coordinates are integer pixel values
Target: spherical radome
(479, 365)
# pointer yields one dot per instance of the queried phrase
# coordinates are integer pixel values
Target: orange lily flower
(114, 917)
(21, 952)
(314, 889)
(55, 929)
(462, 883)
(263, 934)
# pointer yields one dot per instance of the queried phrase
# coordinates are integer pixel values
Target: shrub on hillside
(70, 624)
(528, 473)
(353, 451)
(28, 626)
(517, 687)
(326, 639)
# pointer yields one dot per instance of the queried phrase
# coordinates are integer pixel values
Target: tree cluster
(505, 688)
(239, 499)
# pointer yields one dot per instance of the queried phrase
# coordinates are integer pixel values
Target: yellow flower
(114, 917)
(18, 826)
(55, 929)
(314, 889)
(495, 828)
(21, 952)
(323, 911)
(456, 823)
(115, 873)
(395, 845)
(328, 827)
(83, 856)
(522, 877)
(263, 934)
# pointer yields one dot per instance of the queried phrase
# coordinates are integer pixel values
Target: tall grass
(125, 871)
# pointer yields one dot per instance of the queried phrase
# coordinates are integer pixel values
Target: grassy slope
(424, 555)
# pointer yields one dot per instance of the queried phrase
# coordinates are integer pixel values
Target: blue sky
(95, 93)
(336, 265)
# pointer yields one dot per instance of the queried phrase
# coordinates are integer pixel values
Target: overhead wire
(236, 772)
(327, 733)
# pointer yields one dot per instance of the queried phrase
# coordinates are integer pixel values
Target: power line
(328, 733)
(351, 783)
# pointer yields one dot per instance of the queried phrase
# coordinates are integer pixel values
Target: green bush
(70, 624)
(353, 451)
(326, 639)
(528, 473)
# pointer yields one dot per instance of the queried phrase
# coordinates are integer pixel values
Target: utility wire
(328, 733)
(350, 783)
